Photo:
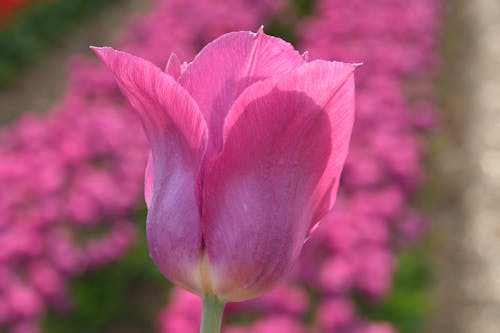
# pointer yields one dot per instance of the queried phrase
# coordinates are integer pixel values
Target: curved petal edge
(177, 134)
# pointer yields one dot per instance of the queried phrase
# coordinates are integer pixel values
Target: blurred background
(414, 240)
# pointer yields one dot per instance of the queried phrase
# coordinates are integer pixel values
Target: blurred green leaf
(409, 303)
(305, 7)
(37, 28)
(125, 296)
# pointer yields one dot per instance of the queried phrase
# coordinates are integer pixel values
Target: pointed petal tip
(305, 55)
(173, 67)
(260, 32)
(98, 49)
(103, 52)
(173, 56)
(357, 64)
(95, 49)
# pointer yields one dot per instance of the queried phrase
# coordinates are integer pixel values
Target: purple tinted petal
(177, 134)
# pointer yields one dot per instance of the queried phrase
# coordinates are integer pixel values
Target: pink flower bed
(63, 177)
(70, 175)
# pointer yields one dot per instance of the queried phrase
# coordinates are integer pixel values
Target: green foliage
(123, 297)
(284, 26)
(305, 7)
(39, 27)
(282, 29)
(409, 302)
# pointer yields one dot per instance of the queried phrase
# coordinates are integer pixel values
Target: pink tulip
(248, 142)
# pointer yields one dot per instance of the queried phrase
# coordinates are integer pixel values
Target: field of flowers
(72, 248)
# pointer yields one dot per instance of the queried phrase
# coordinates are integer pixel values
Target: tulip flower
(247, 143)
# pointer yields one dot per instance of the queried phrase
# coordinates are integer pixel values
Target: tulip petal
(228, 65)
(149, 180)
(285, 142)
(177, 134)
(173, 67)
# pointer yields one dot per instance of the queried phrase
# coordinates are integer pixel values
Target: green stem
(211, 318)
